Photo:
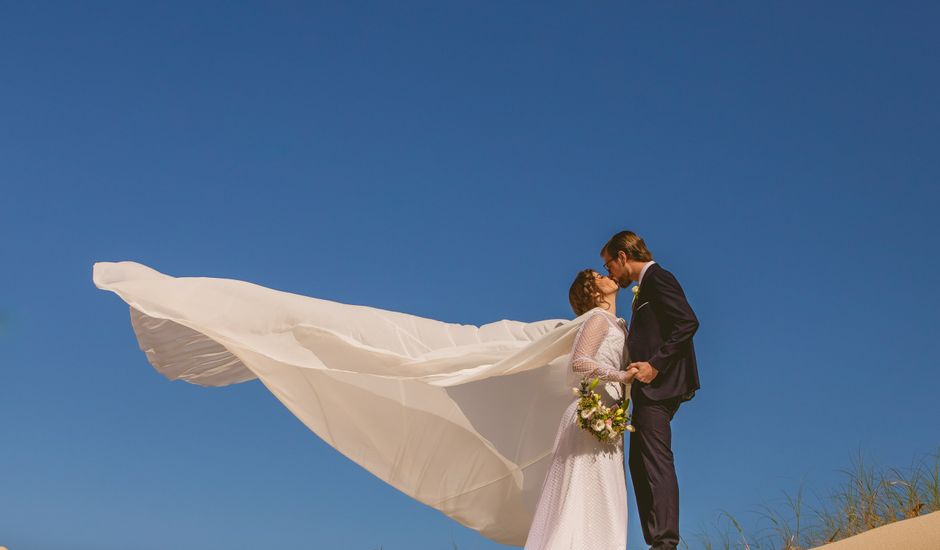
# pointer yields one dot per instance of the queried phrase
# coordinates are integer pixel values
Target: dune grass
(869, 497)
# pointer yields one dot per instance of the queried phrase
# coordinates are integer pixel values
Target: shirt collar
(643, 271)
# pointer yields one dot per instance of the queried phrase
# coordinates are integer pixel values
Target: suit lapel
(636, 303)
(643, 293)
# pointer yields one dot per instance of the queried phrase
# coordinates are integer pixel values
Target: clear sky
(460, 161)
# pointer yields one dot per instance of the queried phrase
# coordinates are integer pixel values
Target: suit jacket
(661, 329)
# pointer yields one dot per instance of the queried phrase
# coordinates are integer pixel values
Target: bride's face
(605, 284)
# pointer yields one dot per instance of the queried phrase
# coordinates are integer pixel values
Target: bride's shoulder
(599, 315)
(598, 310)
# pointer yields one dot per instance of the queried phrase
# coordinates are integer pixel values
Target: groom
(660, 346)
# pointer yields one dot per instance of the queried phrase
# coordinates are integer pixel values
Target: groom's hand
(645, 373)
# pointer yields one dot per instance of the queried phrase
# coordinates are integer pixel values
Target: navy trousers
(653, 471)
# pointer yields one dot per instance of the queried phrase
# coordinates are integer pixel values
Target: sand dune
(920, 533)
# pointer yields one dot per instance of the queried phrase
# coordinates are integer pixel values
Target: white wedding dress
(459, 417)
(584, 499)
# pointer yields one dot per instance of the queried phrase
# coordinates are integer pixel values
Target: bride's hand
(630, 374)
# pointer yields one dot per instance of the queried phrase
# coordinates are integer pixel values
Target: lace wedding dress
(584, 499)
(459, 417)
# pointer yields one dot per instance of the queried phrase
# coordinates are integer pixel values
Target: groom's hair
(631, 244)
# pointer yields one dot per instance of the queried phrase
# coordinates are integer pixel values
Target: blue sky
(459, 161)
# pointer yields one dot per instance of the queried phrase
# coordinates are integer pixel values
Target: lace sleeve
(586, 345)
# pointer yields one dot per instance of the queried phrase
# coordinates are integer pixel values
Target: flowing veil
(459, 417)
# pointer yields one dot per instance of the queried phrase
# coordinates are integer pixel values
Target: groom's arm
(673, 307)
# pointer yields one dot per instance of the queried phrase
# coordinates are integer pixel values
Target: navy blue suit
(661, 330)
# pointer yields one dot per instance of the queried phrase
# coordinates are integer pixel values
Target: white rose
(588, 413)
(598, 425)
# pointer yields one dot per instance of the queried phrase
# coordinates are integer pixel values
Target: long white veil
(459, 417)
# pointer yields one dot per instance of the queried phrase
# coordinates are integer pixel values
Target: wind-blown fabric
(459, 417)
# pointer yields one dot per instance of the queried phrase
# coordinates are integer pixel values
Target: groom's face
(617, 268)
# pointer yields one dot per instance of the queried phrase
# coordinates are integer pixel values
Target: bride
(462, 418)
(584, 501)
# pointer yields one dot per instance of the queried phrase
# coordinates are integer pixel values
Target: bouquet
(605, 423)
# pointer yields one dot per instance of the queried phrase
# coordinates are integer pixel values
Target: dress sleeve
(586, 345)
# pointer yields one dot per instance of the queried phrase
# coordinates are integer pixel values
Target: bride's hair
(631, 244)
(584, 294)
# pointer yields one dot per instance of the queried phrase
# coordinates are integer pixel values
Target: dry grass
(869, 497)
